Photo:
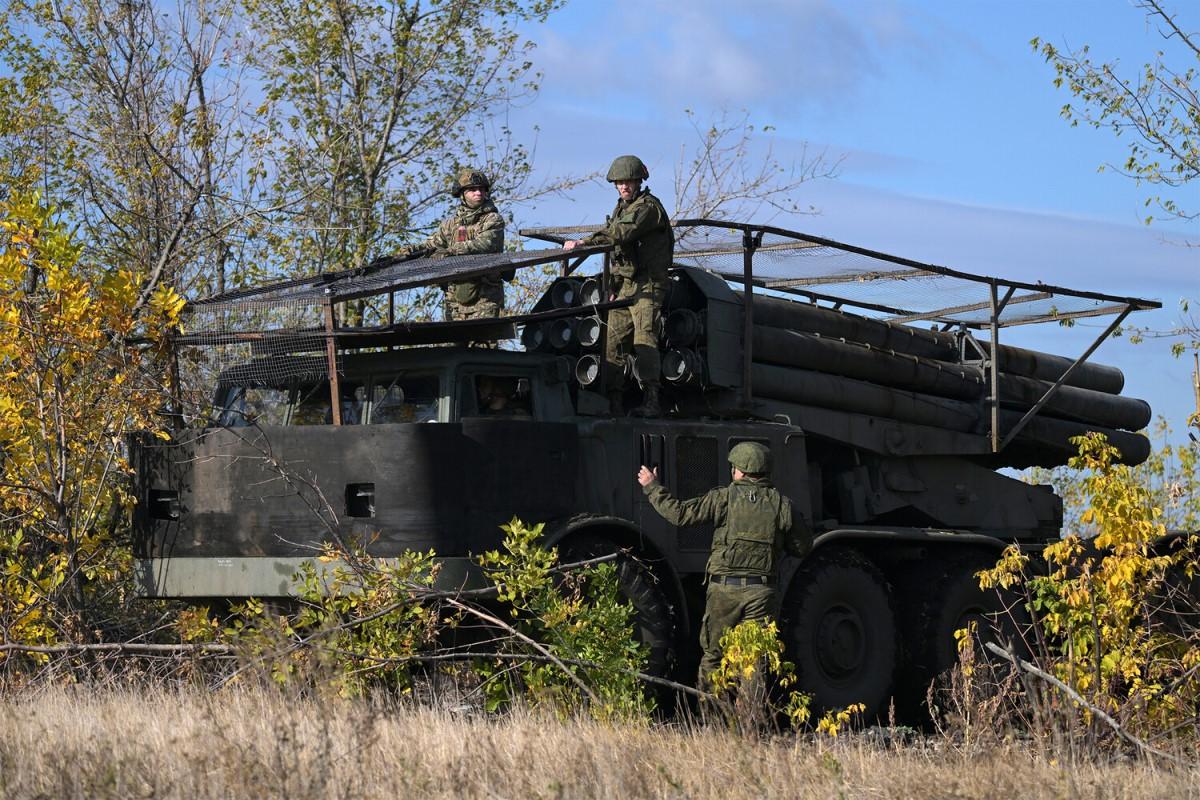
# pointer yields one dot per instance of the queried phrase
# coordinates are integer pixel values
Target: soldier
(643, 246)
(475, 227)
(754, 527)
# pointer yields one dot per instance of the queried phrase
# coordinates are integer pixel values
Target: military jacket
(641, 236)
(466, 232)
(754, 525)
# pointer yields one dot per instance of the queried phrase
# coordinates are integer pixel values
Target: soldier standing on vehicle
(754, 527)
(639, 230)
(475, 227)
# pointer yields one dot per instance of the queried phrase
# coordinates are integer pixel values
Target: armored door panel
(284, 491)
(515, 467)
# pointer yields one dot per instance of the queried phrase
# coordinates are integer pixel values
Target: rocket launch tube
(945, 379)
(860, 397)
(778, 312)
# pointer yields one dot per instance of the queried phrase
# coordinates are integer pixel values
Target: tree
(1117, 612)
(214, 142)
(1158, 109)
(728, 174)
(73, 383)
(142, 150)
(370, 107)
(1169, 480)
(1158, 106)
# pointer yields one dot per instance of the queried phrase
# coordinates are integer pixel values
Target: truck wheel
(955, 602)
(840, 631)
(640, 587)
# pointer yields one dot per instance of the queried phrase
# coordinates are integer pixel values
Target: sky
(942, 120)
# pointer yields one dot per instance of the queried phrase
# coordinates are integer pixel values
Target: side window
(253, 405)
(497, 396)
(697, 466)
(408, 398)
(312, 406)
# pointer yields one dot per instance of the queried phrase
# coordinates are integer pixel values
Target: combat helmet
(469, 178)
(627, 168)
(751, 458)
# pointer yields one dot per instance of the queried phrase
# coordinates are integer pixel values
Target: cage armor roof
(627, 168)
(751, 458)
(469, 178)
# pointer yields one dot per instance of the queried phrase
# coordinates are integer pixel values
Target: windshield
(389, 399)
(254, 405)
(408, 398)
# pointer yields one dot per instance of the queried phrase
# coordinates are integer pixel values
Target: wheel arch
(887, 547)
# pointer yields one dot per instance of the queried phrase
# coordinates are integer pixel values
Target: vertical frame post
(176, 391)
(749, 243)
(335, 389)
(994, 364)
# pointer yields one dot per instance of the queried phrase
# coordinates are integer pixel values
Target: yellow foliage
(834, 722)
(1098, 599)
(69, 390)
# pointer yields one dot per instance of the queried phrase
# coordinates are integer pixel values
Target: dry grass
(62, 743)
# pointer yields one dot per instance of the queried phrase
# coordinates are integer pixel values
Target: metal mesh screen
(878, 285)
(276, 334)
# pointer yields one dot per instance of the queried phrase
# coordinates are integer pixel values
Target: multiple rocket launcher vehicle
(889, 426)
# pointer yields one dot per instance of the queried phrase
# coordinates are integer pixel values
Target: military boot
(649, 406)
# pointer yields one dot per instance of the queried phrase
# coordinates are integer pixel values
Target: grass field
(66, 743)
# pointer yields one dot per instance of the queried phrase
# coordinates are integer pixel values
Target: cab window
(254, 405)
(408, 398)
(312, 405)
(496, 395)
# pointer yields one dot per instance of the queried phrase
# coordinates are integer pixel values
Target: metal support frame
(967, 338)
(1023, 421)
(993, 363)
(750, 242)
(176, 389)
(335, 389)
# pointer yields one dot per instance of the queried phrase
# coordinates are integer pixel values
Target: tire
(655, 615)
(947, 600)
(840, 631)
(955, 601)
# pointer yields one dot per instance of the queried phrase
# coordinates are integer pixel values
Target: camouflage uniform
(466, 232)
(754, 527)
(643, 249)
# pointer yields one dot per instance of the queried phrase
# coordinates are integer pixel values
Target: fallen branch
(1142, 745)
(541, 648)
(119, 647)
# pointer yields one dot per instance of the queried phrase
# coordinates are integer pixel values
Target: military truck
(879, 383)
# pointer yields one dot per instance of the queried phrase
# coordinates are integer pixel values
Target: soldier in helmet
(754, 527)
(475, 227)
(639, 230)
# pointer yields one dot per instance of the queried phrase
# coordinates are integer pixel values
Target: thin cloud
(777, 55)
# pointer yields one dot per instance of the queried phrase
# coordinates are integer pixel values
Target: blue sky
(945, 120)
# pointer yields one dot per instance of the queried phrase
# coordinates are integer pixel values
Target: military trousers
(635, 328)
(726, 607)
